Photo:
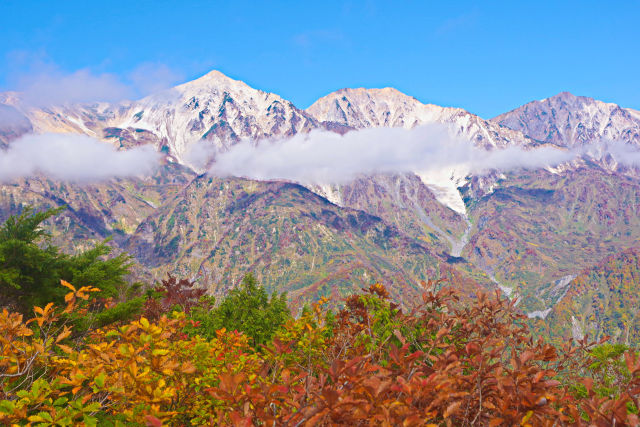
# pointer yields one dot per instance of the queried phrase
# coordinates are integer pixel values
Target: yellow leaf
(48, 307)
(67, 285)
(188, 368)
(526, 418)
(133, 369)
(65, 348)
(144, 322)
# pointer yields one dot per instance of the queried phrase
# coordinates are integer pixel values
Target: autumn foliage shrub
(442, 363)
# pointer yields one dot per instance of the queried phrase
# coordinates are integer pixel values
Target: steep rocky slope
(13, 124)
(532, 232)
(570, 120)
(538, 227)
(364, 108)
(291, 238)
(601, 300)
(409, 201)
(213, 107)
(95, 211)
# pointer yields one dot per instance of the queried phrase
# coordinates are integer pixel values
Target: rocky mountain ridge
(527, 231)
(218, 108)
(569, 121)
(364, 108)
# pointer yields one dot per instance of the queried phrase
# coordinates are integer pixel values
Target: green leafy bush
(247, 309)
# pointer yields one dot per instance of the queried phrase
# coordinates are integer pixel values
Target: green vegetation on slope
(31, 267)
(602, 300)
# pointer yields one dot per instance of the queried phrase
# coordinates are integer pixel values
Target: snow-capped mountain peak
(216, 81)
(217, 108)
(362, 108)
(213, 107)
(569, 120)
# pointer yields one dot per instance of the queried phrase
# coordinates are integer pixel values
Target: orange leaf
(188, 368)
(64, 334)
(67, 285)
(65, 348)
(452, 408)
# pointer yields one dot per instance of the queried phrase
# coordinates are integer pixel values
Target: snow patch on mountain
(540, 314)
(444, 185)
(331, 192)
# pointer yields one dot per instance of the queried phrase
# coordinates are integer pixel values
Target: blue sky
(487, 57)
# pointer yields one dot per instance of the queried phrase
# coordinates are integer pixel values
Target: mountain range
(533, 233)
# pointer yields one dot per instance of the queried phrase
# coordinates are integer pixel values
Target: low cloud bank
(76, 158)
(10, 117)
(55, 88)
(325, 157)
(48, 85)
(623, 153)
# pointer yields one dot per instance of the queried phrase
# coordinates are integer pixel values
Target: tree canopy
(31, 267)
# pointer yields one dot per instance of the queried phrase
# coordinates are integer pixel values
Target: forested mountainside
(601, 300)
(523, 230)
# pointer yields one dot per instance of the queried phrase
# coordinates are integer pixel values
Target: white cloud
(73, 157)
(44, 84)
(55, 87)
(199, 154)
(623, 153)
(325, 157)
(150, 78)
(10, 117)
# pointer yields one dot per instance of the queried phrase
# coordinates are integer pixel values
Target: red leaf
(152, 421)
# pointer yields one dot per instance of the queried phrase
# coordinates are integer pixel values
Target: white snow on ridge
(365, 108)
(444, 186)
(573, 121)
(448, 196)
(541, 314)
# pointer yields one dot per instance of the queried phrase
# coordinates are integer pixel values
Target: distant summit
(364, 108)
(569, 120)
(528, 231)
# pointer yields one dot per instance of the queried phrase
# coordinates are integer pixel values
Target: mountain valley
(526, 231)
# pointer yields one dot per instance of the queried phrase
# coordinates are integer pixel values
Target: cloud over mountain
(75, 158)
(56, 88)
(49, 85)
(626, 154)
(326, 157)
